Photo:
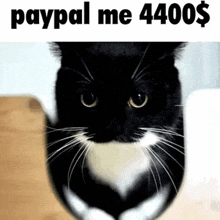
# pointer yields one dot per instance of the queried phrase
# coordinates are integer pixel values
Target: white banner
(93, 20)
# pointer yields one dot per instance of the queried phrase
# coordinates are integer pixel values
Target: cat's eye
(89, 100)
(138, 101)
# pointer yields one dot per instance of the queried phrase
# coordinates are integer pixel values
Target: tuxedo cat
(117, 150)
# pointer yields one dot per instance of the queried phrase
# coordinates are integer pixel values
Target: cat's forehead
(152, 50)
(126, 49)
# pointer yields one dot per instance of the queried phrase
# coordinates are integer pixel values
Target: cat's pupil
(89, 100)
(138, 100)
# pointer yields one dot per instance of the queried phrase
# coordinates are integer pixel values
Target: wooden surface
(25, 190)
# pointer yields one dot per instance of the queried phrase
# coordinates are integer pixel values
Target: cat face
(114, 90)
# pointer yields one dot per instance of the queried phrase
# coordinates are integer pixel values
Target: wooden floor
(25, 191)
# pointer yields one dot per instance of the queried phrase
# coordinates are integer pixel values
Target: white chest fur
(120, 165)
(147, 209)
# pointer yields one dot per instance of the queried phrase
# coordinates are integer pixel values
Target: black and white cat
(117, 150)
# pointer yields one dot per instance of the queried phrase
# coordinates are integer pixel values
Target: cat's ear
(162, 50)
(65, 49)
(55, 48)
(61, 49)
(177, 49)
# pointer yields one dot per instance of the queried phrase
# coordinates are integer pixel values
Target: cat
(117, 149)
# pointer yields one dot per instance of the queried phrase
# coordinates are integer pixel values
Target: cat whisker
(53, 157)
(86, 78)
(135, 71)
(162, 131)
(163, 142)
(65, 129)
(139, 76)
(159, 159)
(87, 69)
(158, 174)
(73, 165)
(152, 172)
(170, 130)
(81, 139)
(74, 162)
(169, 155)
(60, 140)
(79, 73)
(71, 143)
(89, 146)
(63, 139)
(61, 148)
(171, 142)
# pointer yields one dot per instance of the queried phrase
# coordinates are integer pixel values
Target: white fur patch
(149, 209)
(96, 214)
(120, 165)
(77, 205)
(145, 210)
(82, 209)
